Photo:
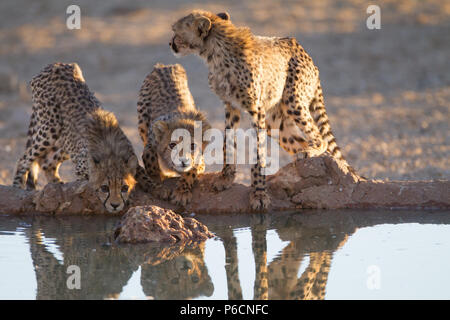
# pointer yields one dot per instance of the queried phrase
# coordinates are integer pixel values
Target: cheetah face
(114, 181)
(188, 268)
(176, 156)
(114, 193)
(189, 34)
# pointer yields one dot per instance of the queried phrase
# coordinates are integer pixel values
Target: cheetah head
(191, 31)
(113, 180)
(112, 163)
(183, 277)
(177, 148)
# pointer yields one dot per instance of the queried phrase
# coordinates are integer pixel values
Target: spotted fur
(271, 78)
(67, 122)
(165, 104)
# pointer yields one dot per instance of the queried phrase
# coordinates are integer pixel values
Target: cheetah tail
(319, 114)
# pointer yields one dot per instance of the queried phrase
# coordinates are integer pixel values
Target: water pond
(300, 255)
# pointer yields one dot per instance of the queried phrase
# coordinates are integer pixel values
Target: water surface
(307, 255)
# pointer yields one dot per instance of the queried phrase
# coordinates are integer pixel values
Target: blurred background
(387, 91)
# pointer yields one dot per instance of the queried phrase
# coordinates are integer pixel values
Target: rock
(319, 182)
(70, 198)
(155, 224)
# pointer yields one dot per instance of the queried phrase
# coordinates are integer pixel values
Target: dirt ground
(387, 91)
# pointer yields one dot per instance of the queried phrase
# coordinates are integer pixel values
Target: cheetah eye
(124, 188)
(104, 188)
(172, 145)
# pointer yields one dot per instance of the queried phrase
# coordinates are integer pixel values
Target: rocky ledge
(154, 224)
(314, 183)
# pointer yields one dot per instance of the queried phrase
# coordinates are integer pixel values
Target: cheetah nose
(115, 205)
(186, 266)
(185, 162)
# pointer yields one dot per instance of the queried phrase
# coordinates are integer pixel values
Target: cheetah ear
(159, 128)
(203, 26)
(77, 73)
(224, 15)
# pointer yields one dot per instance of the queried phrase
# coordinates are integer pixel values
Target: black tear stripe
(125, 202)
(104, 203)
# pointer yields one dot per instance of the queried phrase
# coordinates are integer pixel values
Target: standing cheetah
(271, 78)
(166, 104)
(67, 122)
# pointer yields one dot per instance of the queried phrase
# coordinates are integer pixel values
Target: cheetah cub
(271, 78)
(68, 123)
(166, 104)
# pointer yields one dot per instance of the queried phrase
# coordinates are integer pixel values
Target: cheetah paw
(162, 192)
(259, 200)
(223, 182)
(181, 197)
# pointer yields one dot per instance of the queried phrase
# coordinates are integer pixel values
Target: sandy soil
(387, 91)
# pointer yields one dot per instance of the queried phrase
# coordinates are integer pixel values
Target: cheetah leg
(312, 283)
(259, 199)
(232, 120)
(28, 169)
(150, 159)
(152, 181)
(231, 265)
(51, 165)
(27, 166)
(33, 176)
(299, 133)
(283, 272)
(143, 128)
(150, 186)
(319, 288)
(81, 166)
(259, 247)
(182, 195)
(292, 138)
